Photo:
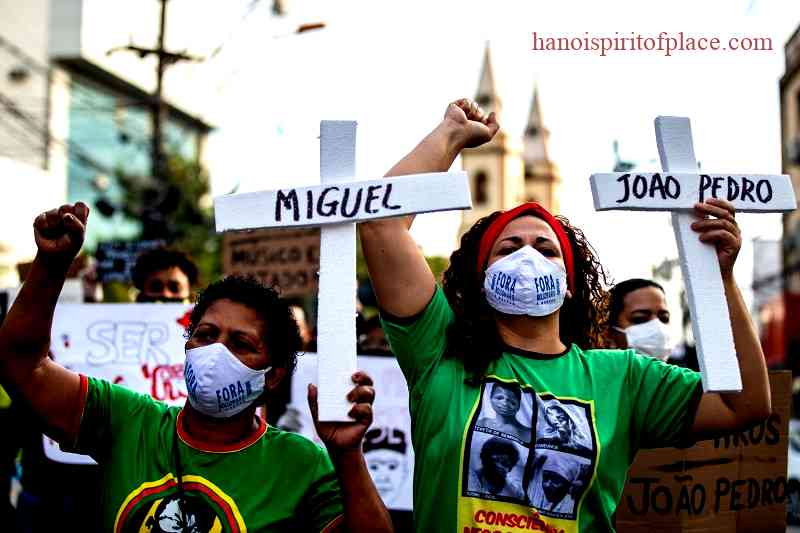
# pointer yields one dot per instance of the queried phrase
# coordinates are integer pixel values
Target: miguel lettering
(347, 201)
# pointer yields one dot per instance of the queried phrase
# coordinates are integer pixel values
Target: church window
(480, 193)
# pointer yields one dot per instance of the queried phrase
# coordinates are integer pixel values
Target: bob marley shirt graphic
(542, 442)
(273, 481)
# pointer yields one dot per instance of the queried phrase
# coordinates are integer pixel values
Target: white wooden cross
(677, 189)
(336, 205)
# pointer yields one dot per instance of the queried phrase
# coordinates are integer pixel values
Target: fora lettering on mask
(547, 288)
(233, 395)
(504, 286)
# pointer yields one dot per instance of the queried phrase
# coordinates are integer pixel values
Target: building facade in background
(505, 172)
(76, 108)
(790, 136)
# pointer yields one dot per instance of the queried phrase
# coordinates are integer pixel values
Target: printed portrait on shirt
(563, 426)
(506, 411)
(557, 481)
(496, 468)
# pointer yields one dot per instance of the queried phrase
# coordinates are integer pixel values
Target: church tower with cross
(507, 170)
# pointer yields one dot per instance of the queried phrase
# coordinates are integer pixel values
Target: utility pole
(154, 222)
(159, 108)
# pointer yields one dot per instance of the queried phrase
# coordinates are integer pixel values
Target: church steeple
(536, 134)
(542, 179)
(487, 96)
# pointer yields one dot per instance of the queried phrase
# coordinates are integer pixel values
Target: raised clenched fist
(473, 125)
(60, 232)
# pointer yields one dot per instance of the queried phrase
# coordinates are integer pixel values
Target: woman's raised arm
(401, 278)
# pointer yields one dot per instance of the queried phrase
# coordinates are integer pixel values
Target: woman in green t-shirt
(213, 464)
(518, 312)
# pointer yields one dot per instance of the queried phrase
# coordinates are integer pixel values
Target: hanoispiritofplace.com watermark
(665, 43)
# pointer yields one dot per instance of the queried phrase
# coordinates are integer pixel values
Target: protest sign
(677, 189)
(335, 205)
(286, 259)
(115, 260)
(139, 346)
(734, 483)
(387, 447)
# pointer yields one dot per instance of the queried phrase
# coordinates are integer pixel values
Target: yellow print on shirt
(528, 460)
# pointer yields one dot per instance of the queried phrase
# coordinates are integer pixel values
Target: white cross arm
(343, 201)
(666, 191)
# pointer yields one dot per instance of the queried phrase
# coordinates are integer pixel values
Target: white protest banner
(336, 205)
(387, 448)
(139, 346)
(677, 189)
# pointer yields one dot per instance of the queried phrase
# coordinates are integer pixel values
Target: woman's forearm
(364, 510)
(753, 403)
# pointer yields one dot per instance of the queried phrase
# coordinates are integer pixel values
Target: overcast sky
(393, 67)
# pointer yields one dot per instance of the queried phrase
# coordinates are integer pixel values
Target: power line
(250, 9)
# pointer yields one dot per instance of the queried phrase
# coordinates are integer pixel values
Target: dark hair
(513, 389)
(281, 336)
(162, 258)
(496, 445)
(473, 336)
(617, 294)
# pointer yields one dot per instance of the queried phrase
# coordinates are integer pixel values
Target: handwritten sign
(139, 346)
(341, 201)
(115, 260)
(677, 189)
(666, 191)
(288, 259)
(733, 483)
(335, 205)
(387, 446)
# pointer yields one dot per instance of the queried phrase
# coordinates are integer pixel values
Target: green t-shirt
(543, 443)
(273, 481)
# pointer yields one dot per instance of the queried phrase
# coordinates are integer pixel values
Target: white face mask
(218, 384)
(525, 283)
(650, 338)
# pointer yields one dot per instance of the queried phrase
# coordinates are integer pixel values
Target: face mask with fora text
(525, 283)
(649, 338)
(218, 384)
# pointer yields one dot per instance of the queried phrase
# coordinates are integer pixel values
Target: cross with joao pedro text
(677, 189)
(335, 205)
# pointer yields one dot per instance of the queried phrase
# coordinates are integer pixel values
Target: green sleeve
(419, 342)
(109, 413)
(665, 399)
(324, 497)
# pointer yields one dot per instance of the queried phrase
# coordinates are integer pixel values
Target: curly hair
(281, 336)
(473, 335)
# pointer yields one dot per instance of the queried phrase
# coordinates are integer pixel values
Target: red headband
(497, 226)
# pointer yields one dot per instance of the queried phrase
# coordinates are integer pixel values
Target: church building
(508, 171)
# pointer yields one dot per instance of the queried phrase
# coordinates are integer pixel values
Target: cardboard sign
(115, 260)
(671, 192)
(140, 346)
(388, 451)
(734, 483)
(287, 259)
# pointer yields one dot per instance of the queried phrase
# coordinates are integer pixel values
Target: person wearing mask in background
(164, 275)
(638, 318)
